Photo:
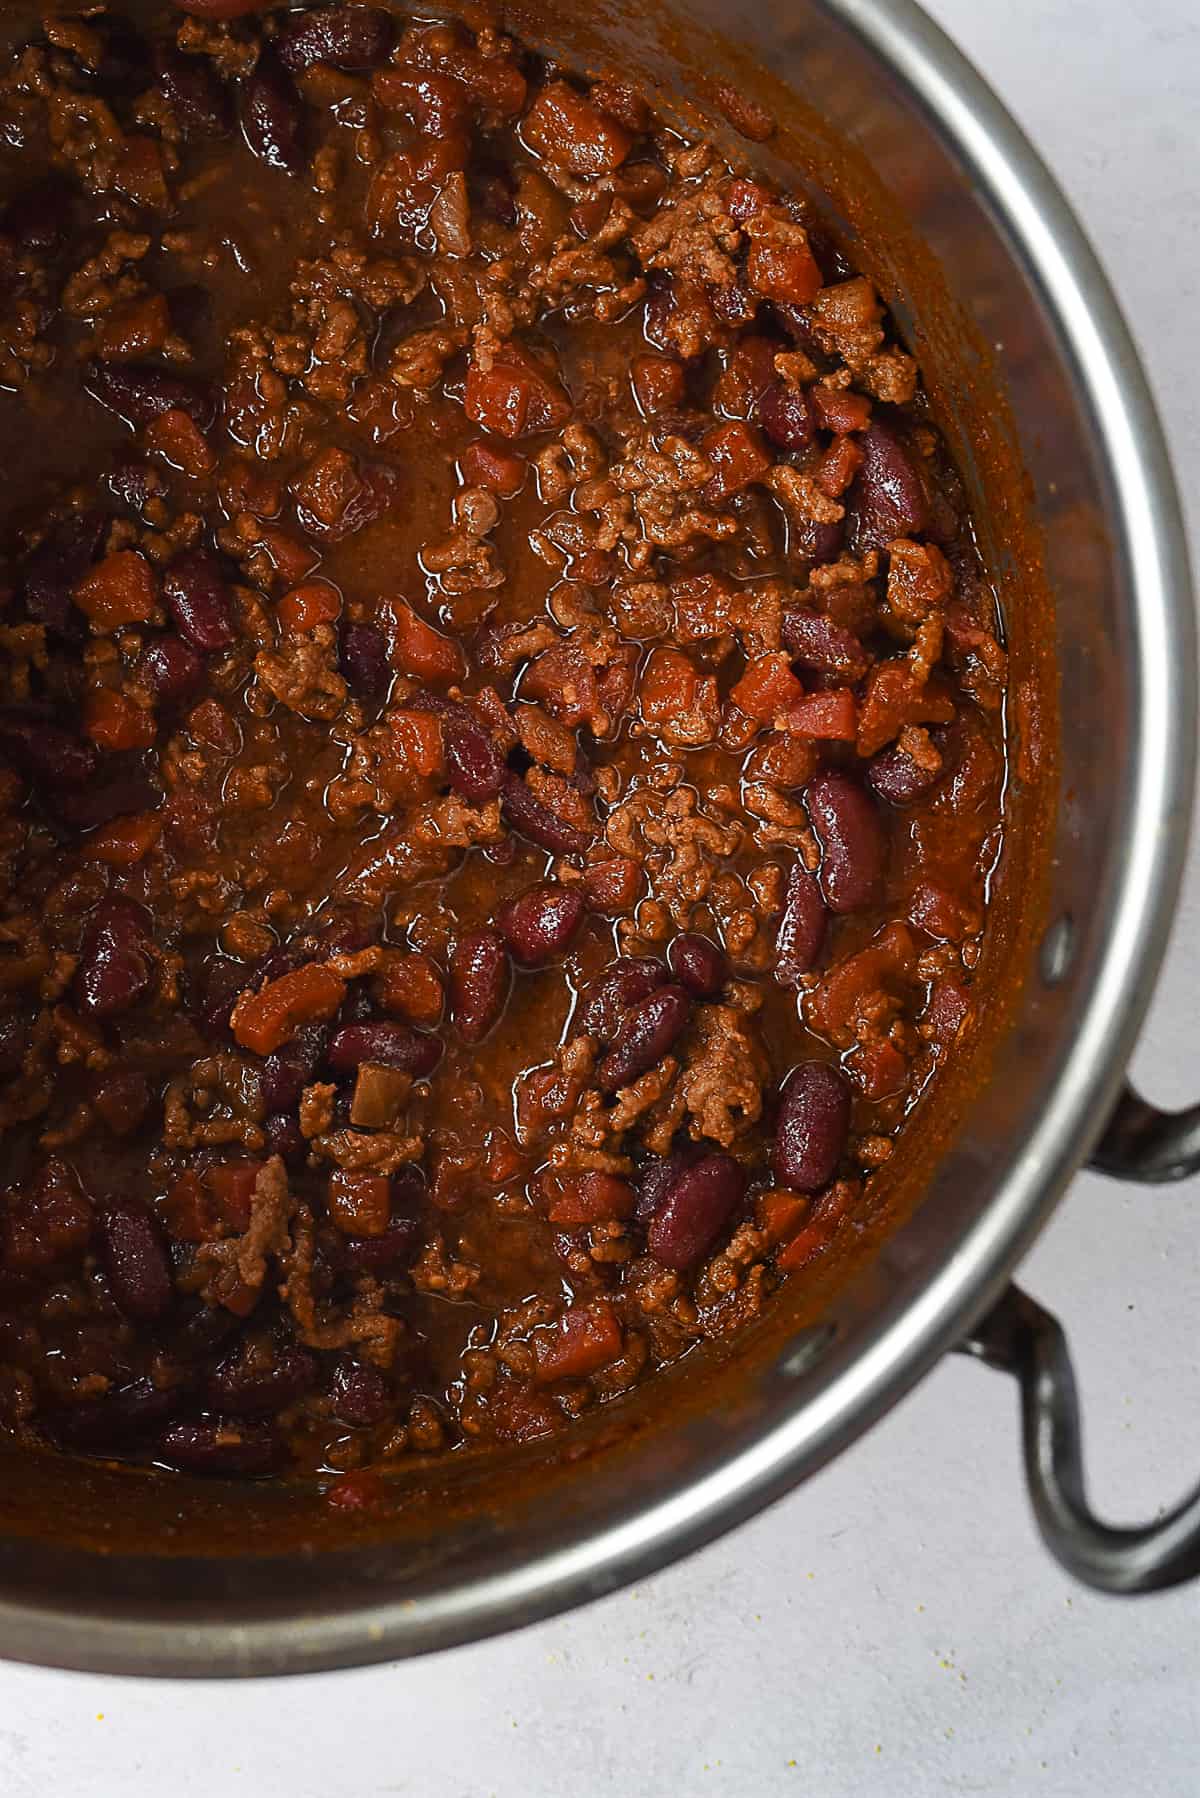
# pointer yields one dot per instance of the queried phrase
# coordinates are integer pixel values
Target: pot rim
(1148, 535)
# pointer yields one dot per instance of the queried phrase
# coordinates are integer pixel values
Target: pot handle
(1020, 1338)
(1142, 1143)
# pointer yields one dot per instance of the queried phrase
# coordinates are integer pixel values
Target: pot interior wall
(114, 1544)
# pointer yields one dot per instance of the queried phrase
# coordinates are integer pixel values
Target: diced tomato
(668, 687)
(768, 688)
(123, 841)
(113, 722)
(879, 1068)
(211, 723)
(303, 608)
(134, 328)
(492, 465)
(745, 198)
(292, 558)
(264, 1020)
(359, 1204)
(829, 716)
(931, 908)
(177, 436)
(418, 738)
(588, 215)
(138, 173)
(420, 650)
(591, 1198)
(519, 1415)
(948, 1009)
(518, 393)
(249, 487)
(839, 409)
(893, 698)
(620, 100)
(804, 1247)
(782, 761)
(783, 271)
(737, 456)
(658, 384)
(588, 1337)
(411, 987)
(187, 1209)
(885, 966)
(231, 1184)
(123, 589)
(838, 467)
(572, 133)
(779, 1214)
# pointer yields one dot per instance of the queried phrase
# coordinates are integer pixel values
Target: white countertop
(893, 1630)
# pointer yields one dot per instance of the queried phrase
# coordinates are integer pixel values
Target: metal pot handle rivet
(1020, 1338)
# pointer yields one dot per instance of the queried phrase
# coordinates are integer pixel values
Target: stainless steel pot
(614, 1505)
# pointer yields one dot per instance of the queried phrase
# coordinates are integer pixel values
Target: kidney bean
(698, 964)
(197, 99)
(474, 765)
(114, 969)
(140, 392)
(811, 1127)
(390, 1044)
(646, 1033)
(198, 597)
(887, 499)
(134, 1253)
(203, 1331)
(350, 38)
(115, 1420)
(694, 1210)
(815, 641)
(802, 926)
(480, 977)
(526, 813)
(57, 566)
(220, 1450)
(853, 850)
(897, 778)
(287, 1071)
(390, 1253)
(284, 1138)
(219, 984)
(43, 751)
(656, 1177)
(623, 984)
(363, 657)
(172, 670)
(359, 1393)
(273, 117)
(240, 1389)
(539, 924)
(785, 415)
